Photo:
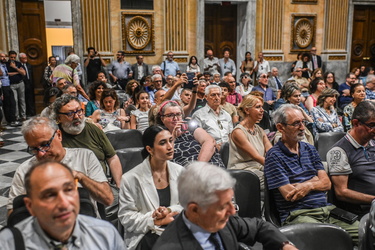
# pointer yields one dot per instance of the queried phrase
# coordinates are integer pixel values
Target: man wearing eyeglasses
(351, 162)
(296, 176)
(43, 138)
(344, 90)
(156, 84)
(370, 87)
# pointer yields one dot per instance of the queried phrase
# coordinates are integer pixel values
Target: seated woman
(139, 117)
(192, 143)
(248, 142)
(358, 92)
(245, 86)
(324, 114)
(316, 88)
(50, 96)
(148, 197)
(110, 117)
(95, 93)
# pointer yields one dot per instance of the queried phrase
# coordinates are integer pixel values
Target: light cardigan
(138, 200)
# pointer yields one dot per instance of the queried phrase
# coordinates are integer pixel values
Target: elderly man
(53, 201)
(120, 70)
(268, 94)
(316, 60)
(296, 176)
(157, 84)
(370, 87)
(275, 83)
(233, 97)
(213, 118)
(211, 63)
(351, 162)
(43, 138)
(208, 221)
(76, 133)
(169, 66)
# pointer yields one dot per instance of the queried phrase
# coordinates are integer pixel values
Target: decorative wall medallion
(303, 27)
(138, 33)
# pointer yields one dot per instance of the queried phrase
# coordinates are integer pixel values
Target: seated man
(43, 138)
(76, 133)
(370, 87)
(351, 162)
(213, 118)
(53, 201)
(268, 94)
(296, 176)
(208, 221)
(233, 97)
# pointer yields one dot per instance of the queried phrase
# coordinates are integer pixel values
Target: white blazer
(138, 199)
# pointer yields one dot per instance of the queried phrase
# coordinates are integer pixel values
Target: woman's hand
(160, 213)
(168, 218)
(178, 129)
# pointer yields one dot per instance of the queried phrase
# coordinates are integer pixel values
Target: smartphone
(190, 125)
(190, 83)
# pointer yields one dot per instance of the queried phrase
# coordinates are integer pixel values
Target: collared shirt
(170, 68)
(218, 126)
(140, 71)
(264, 67)
(228, 66)
(120, 69)
(234, 98)
(268, 93)
(66, 72)
(4, 78)
(201, 235)
(370, 95)
(207, 62)
(88, 233)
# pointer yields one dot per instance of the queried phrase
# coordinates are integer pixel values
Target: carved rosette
(304, 33)
(138, 33)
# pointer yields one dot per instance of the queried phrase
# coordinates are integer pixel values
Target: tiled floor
(12, 154)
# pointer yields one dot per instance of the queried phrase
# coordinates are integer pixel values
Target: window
(137, 4)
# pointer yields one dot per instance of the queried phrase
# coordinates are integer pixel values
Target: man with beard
(77, 133)
(43, 138)
(120, 70)
(296, 176)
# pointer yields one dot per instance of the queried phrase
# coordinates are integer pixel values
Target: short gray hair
(156, 76)
(280, 115)
(200, 182)
(72, 58)
(155, 67)
(370, 78)
(60, 102)
(31, 125)
(211, 86)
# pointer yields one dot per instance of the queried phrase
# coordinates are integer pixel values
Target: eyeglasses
(158, 81)
(173, 115)
(297, 124)
(220, 125)
(43, 148)
(72, 113)
(370, 126)
(264, 77)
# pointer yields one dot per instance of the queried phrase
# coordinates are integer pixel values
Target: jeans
(19, 96)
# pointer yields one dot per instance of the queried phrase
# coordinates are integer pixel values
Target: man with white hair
(69, 72)
(157, 84)
(213, 118)
(208, 220)
(370, 87)
(28, 79)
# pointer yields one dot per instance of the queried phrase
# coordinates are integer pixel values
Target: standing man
(53, 201)
(93, 64)
(140, 69)
(169, 66)
(211, 63)
(261, 66)
(208, 220)
(16, 73)
(351, 162)
(119, 70)
(227, 64)
(315, 59)
(28, 79)
(275, 83)
(9, 104)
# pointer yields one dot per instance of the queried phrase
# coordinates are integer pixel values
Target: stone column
(77, 33)
(11, 24)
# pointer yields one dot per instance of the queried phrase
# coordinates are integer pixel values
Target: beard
(72, 128)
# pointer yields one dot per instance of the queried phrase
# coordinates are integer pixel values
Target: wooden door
(32, 41)
(363, 40)
(220, 31)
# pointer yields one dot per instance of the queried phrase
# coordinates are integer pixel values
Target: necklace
(251, 132)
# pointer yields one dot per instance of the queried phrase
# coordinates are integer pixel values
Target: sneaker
(13, 124)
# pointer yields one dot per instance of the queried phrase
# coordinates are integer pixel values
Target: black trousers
(29, 98)
(9, 104)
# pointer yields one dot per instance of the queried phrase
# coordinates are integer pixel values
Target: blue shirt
(344, 100)
(170, 68)
(4, 78)
(283, 167)
(120, 70)
(268, 93)
(370, 95)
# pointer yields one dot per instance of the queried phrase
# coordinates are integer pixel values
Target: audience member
(157, 84)
(170, 66)
(316, 73)
(357, 72)
(50, 96)
(153, 111)
(148, 194)
(317, 86)
(344, 90)
(120, 70)
(28, 79)
(245, 86)
(53, 201)
(268, 95)
(47, 80)
(139, 117)
(274, 82)
(201, 100)
(230, 108)
(233, 97)
(351, 161)
(208, 220)
(227, 64)
(302, 82)
(296, 177)
(370, 87)
(248, 142)
(316, 60)
(330, 81)
(140, 69)
(93, 64)
(193, 66)
(358, 93)
(211, 63)
(305, 65)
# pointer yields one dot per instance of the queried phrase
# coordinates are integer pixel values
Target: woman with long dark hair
(247, 65)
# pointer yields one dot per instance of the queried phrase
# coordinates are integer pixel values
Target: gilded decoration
(273, 58)
(138, 33)
(303, 30)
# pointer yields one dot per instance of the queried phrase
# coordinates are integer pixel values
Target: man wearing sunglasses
(296, 176)
(351, 162)
(43, 138)
(268, 95)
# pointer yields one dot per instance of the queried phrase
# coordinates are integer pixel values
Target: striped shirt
(283, 167)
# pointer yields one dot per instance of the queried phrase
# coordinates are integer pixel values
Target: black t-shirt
(93, 68)
(16, 78)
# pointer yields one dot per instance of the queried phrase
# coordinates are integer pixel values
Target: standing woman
(330, 81)
(316, 88)
(193, 66)
(305, 65)
(139, 117)
(358, 92)
(248, 142)
(247, 65)
(148, 197)
(95, 94)
(47, 80)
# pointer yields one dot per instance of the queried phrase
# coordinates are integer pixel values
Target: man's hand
(300, 190)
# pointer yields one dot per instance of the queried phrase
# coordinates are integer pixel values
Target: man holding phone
(93, 65)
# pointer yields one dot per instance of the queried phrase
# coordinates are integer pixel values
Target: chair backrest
(125, 138)
(224, 153)
(129, 158)
(270, 210)
(312, 236)
(247, 193)
(326, 141)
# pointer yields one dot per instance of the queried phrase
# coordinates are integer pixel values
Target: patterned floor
(12, 154)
